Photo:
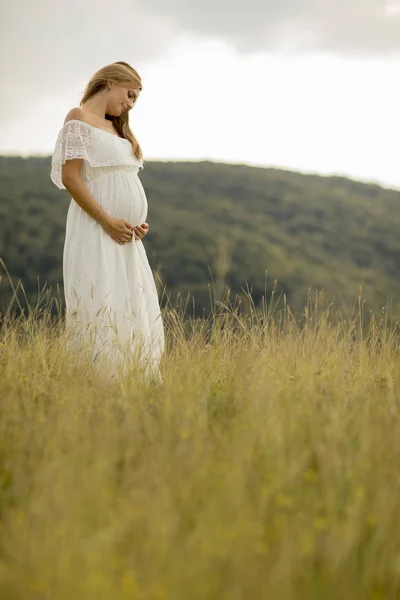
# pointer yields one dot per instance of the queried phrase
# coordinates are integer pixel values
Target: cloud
(50, 47)
(349, 27)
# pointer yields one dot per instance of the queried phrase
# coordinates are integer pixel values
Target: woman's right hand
(119, 230)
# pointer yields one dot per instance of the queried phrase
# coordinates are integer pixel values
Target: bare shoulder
(76, 113)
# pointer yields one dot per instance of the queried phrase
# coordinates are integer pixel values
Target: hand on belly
(141, 230)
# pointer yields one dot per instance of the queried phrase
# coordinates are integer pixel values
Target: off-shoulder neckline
(99, 129)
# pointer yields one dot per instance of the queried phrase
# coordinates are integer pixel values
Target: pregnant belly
(122, 195)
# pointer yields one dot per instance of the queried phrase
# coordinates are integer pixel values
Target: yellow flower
(260, 548)
(321, 523)
(128, 583)
(310, 475)
(159, 592)
(283, 499)
(371, 520)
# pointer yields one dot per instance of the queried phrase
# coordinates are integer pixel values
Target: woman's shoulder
(77, 117)
(76, 114)
(76, 123)
(86, 118)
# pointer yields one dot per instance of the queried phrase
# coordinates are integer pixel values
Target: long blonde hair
(120, 73)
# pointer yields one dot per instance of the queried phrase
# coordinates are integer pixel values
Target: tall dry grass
(267, 464)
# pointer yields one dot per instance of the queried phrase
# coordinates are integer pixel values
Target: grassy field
(267, 464)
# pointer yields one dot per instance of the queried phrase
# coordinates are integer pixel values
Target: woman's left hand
(141, 230)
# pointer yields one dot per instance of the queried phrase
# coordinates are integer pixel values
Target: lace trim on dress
(77, 139)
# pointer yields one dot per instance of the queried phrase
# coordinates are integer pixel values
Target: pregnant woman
(112, 307)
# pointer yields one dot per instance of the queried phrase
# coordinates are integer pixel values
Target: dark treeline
(215, 225)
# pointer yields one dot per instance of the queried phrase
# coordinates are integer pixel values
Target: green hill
(223, 225)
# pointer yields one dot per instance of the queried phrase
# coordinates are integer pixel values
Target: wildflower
(310, 475)
(321, 523)
(283, 499)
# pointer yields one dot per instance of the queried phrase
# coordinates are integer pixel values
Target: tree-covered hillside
(218, 225)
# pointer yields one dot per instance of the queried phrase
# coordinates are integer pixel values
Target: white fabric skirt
(112, 306)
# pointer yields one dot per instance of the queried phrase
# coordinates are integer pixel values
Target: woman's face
(120, 99)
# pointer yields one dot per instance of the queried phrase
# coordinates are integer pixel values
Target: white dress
(112, 307)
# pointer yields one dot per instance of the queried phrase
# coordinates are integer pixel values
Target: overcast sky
(306, 85)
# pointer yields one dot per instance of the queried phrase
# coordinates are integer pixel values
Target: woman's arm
(118, 229)
(79, 192)
(71, 179)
